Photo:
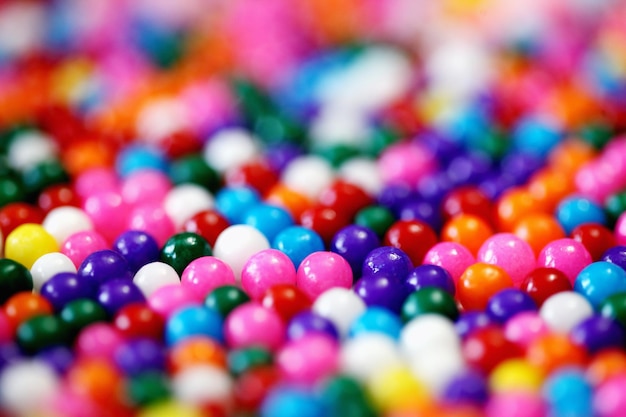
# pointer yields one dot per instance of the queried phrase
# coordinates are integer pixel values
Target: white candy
(230, 148)
(184, 201)
(364, 173)
(428, 333)
(564, 310)
(341, 306)
(308, 175)
(202, 384)
(369, 354)
(437, 367)
(49, 265)
(161, 118)
(26, 385)
(62, 222)
(29, 149)
(236, 244)
(153, 276)
(335, 125)
(22, 27)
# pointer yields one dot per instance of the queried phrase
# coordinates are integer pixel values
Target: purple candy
(597, 333)
(433, 188)
(387, 261)
(103, 266)
(382, 291)
(308, 322)
(65, 287)
(471, 168)
(616, 255)
(9, 353)
(117, 293)
(279, 155)
(138, 248)
(471, 321)
(507, 303)
(354, 243)
(424, 211)
(140, 355)
(60, 358)
(430, 276)
(469, 387)
(394, 196)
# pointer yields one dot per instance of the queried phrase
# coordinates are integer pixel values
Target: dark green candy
(182, 248)
(377, 218)
(615, 205)
(346, 398)
(225, 299)
(429, 300)
(597, 134)
(337, 154)
(43, 175)
(14, 278)
(615, 307)
(11, 191)
(148, 388)
(194, 169)
(80, 313)
(42, 332)
(241, 360)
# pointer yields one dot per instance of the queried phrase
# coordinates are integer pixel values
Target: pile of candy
(342, 208)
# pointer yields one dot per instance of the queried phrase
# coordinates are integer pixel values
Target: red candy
(326, 221)
(596, 238)
(208, 224)
(57, 196)
(541, 283)
(487, 347)
(414, 237)
(287, 300)
(139, 320)
(345, 198)
(15, 214)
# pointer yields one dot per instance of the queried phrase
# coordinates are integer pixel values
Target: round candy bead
(405, 163)
(430, 276)
(82, 312)
(42, 332)
(605, 365)
(599, 280)
(344, 395)
(236, 244)
(308, 175)
(397, 388)
(194, 351)
(81, 244)
(252, 324)
(170, 407)
(414, 237)
(27, 243)
(376, 319)
(479, 282)
(98, 341)
(225, 299)
(40, 379)
(241, 360)
(193, 169)
(49, 265)
(108, 213)
(203, 384)
(266, 269)
(428, 333)
(467, 230)
(525, 327)
(541, 283)
(354, 243)
(153, 276)
(291, 402)
(620, 230)
(509, 253)
(16, 214)
(616, 255)
(252, 387)
(65, 287)
(14, 278)
(608, 400)
(102, 266)
(365, 356)
(388, 261)
(485, 348)
(377, 218)
(292, 201)
(437, 367)
(24, 305)
(149, 388)
(139, 320)
(138, 356)
(596, 333)
(117, 293)
(513, 205)
(453, 257)
(429, 300)
(308, 322)
(286, 299)
(234, 202)
(297, 243)
(206, 273)
(186, 200)
(321, 271)
(566, 255)
(564, 310)
(193, 321)
(383, 291)
(469, 200)
(325, 221)
(59, 358)
(471, 321)
(515, 375)
(138, 158)
(268, 219)
(346, 197)
(137, 247)
(568, 393)
(148, 185)
(230, 148)
(575, 211)
(614, 307)
(506, 303)
(555, 351)
(153, 219)
(341, 306)
(182, 248)
(208, 224)
(308, 359)
(538, 229)
(510, 403)
(596, 238)
(468, 387)
(171, 297)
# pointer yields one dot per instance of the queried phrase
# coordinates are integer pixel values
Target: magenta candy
(82, 244)
(309, 359)
(6, 330)
(510, 253)
(321, 271)
(516, 404)
(98, 340)
(145, 186)
(567, 255)
(452, 256)
(609, 399)
(251, 324)
(169, 298)
(525, 327)
(108, 212)
(265, 269)
(206, 273)
(405, 163)
(620, 229)
(152, 218)
(96, 180)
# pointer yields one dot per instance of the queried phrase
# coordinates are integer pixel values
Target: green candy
(346, 398)
(14, 278)
(429, 300)
(241, 360)
(225, 299)
(148, 388)
(615, 307)
(615, 205)
(43, 175)
(42, 332)
(11, 191)
(597, 134)
(80, 313)
(182, 248)
(377, 218)
(194, 169)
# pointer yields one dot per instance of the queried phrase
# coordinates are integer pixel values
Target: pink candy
(98, 340)
(321, 271)
(309, 359)
(510, 253)
(452, 256)
(145, 186)
(108, 212)
(525, 327)
(204, 274)
(152, 218)
(405, 163)
(251, 324)
(567, 255)
(516, 404)
(79, 245)
(265, 269)
(169, 298)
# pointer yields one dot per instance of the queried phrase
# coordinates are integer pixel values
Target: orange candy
(291, 200)
(515, 204)
(84, 155)
(194, 351)
(25, 305)
(570, 155)
(550, 186)
(606, 364)
(555, 351)
(538, 229)
(469, 230)
(478, 283)
(97, 379)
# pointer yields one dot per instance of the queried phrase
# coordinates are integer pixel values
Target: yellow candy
(170, 409)
(29, 242)
(515, 375)
(397, 389)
